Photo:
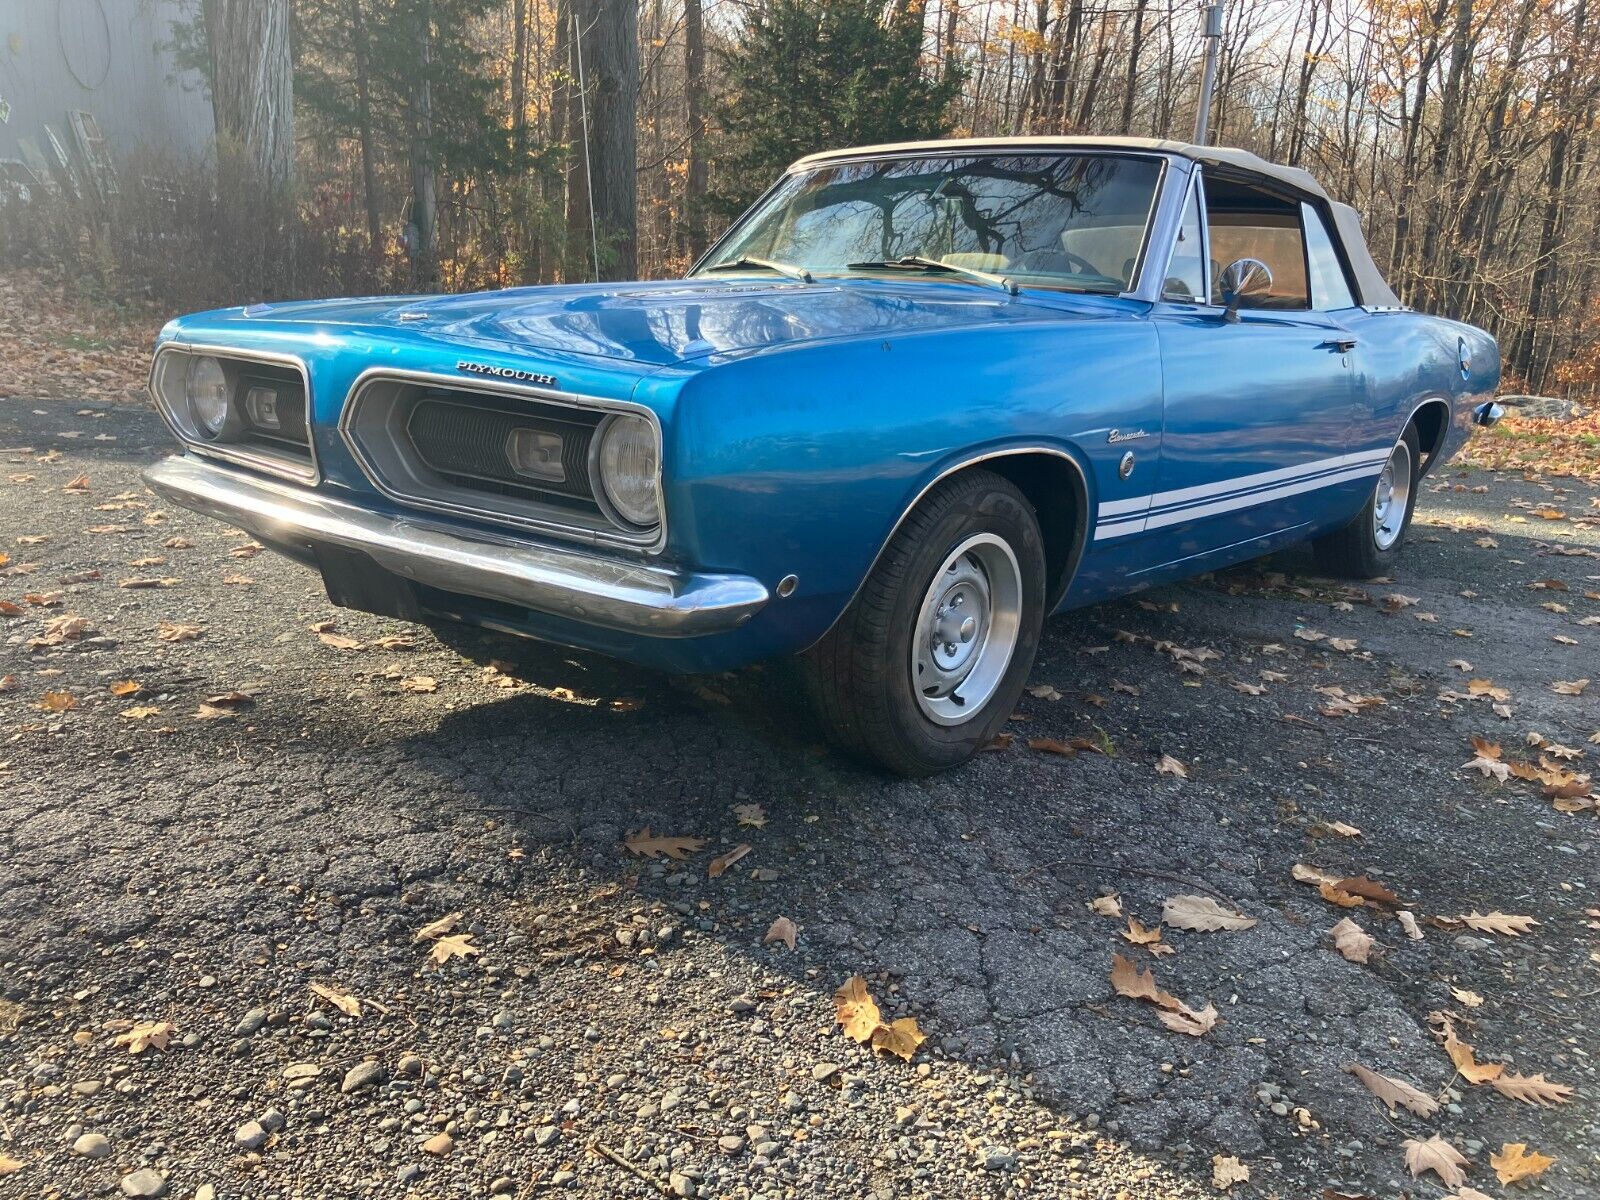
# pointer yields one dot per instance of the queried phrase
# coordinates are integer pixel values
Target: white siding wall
(100, 56)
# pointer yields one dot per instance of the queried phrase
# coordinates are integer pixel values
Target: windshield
(1073, 221)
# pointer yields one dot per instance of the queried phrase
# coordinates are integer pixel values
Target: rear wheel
(928, 661)
(1367, 547)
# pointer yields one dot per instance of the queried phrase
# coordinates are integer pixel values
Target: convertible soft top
(1370, 286)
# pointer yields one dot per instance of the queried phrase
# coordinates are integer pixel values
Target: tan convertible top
(1370, 286)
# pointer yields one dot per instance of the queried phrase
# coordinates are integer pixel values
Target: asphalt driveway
(292, 791)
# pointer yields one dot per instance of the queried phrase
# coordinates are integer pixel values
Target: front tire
(1368, 546)
(928, 661)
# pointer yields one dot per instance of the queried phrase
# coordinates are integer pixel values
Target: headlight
(628, 463)
(206, 389)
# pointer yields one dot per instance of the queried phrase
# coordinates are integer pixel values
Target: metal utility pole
(1208, 80)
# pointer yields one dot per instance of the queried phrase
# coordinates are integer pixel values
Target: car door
(1258, 412)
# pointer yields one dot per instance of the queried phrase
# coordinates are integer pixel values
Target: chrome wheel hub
(1392, 498)
(966, 629)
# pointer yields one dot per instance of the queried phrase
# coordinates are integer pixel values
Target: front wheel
(1367, 547)
(928, 661)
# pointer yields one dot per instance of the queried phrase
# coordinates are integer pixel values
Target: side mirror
(1240, 278)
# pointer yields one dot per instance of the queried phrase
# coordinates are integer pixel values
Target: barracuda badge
(511, 373)
(1132, 435)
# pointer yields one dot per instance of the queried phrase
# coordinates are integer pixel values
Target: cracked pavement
(170, 868)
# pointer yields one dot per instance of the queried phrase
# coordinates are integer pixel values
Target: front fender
(802, 462)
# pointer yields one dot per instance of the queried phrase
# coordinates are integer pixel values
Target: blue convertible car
(916, 400)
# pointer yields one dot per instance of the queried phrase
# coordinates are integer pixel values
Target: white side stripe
(1240, 483)
(1194, 512)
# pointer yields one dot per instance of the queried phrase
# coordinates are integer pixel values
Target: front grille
(468, 444)
(288, 405)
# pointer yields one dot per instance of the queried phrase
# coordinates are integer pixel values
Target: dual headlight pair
(209, 393)
(625, 459)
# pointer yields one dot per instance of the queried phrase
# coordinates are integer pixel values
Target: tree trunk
(369, 169)
(1131, 83)
(694, 101)
(424, 216)
(1452, 105)
(606, 46)
(252, 83)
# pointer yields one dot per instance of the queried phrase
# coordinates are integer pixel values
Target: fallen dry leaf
(1127, 980)
(856, 1010)
(343, 1001)
(722, 862)
(419, 684)
(139, 712)
(125, 687)
(647, 845)
(1514, 1162)
(1201, 914)
(1532, 1089)
(1569, 687)
(1139, 935)
(1470, 1069)
(177, 631)
(457, 945)
(1184, 1019)
(1167, 765)
(1315, 876)
(1333, 894)
(1368, 889)
(1408, 922)
(340, 642)
(1438, 1156)
(900, 1037)
(1463, 996)
(58, 702)
(752, 816)
(9, 1165)
(437, 929)
(1227, 1171)
(1352, 941)
(1395, 1093)
(1498, 922)
(782, 930)
(1106, 906)
(146, 1034)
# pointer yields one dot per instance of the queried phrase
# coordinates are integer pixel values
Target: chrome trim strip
(563, 582)
(236, 454)
(654, 541)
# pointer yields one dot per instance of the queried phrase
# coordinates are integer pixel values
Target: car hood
(659, 324)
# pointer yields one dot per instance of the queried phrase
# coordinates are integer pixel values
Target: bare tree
(252, 83)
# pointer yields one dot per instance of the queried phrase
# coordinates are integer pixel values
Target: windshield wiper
(742, 263)
(917, 262)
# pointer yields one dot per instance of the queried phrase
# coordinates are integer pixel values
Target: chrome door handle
(1342, 344)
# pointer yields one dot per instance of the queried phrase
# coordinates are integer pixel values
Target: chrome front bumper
(570, 583)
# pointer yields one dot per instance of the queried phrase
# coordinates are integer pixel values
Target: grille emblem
(511, 373)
